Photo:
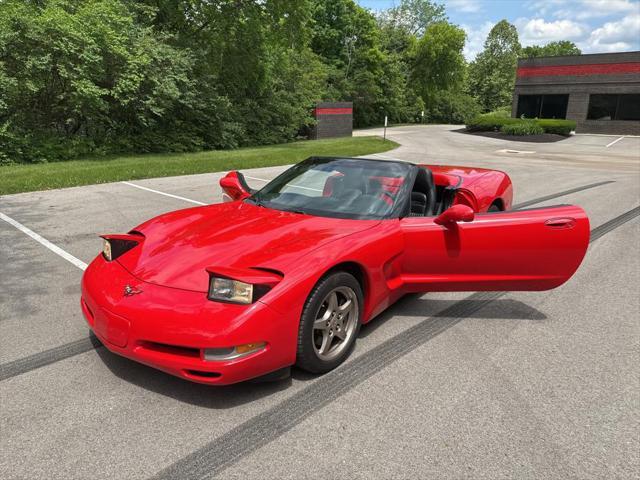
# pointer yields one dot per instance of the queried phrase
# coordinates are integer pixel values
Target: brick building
(601, 92)
(333, 119)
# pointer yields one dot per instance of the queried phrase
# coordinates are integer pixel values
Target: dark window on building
(614, 107)
(529, 106)
(554, 106)
(602, 107)
(542, 106)
(628, 107)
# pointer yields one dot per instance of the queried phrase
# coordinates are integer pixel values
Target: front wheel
(330, 323)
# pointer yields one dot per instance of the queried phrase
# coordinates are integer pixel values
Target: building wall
(333, 119)
(579, 76)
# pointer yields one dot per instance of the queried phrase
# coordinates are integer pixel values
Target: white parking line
(163, 193)
(520, 152)
(615, 141)
(43, 241)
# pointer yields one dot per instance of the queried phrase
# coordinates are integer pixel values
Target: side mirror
(234, 186)
(457, 213)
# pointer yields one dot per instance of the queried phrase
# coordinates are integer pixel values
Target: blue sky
(594, 25)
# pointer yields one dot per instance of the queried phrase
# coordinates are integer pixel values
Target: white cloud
(583, 9)
(475, 39)
(620, 35)
(467, 6)
(603, 8)
(544, 7)
(593, 25)
(539, 31)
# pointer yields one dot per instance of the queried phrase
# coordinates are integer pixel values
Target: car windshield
(337, 187)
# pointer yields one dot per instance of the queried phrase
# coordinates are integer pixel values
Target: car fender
(375, 251)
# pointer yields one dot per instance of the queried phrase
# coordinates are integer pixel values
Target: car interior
(364, 191)
(362, 194)
(427, 198)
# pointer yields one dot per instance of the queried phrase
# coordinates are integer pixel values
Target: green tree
(452, 107)
(551, 49)
(439, 64)
(97, 76)
(104, 76)
(413, 16)
(85, 73)
(347, 38)
(492, 74)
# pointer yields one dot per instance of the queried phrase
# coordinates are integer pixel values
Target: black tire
(494, 208)
(308, 358)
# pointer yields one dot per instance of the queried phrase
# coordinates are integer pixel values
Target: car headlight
(115, 245)
(106, 250)
(228, 290)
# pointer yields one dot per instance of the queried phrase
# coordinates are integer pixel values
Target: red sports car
(286, 275)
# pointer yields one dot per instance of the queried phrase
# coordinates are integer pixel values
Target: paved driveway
(516, 385)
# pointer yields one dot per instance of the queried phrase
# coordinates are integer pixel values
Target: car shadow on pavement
(225, 397)
(213, 397)
(417, 305)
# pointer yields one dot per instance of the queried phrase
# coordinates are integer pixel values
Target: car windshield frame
(394, 169)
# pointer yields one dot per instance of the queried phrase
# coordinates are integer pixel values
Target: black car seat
(424, 185)
(418, 204)
(348, 188)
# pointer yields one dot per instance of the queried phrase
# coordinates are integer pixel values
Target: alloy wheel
(335, 323)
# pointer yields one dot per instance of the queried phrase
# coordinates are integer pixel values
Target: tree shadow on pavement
(544, 138)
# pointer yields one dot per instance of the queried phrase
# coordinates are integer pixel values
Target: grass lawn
(28, 178)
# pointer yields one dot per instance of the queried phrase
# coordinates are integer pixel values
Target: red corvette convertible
(286, 275)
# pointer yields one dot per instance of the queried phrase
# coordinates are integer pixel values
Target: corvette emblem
(129, 291)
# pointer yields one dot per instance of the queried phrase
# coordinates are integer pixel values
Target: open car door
(536, 249)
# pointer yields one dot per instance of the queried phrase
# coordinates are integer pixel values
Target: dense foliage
(522, 129)
(557, 126)
(95, 77)
(492, 74)
(493, 122)
(551, 49)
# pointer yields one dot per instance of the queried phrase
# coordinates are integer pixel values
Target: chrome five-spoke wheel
(330, 322)
(335, 323)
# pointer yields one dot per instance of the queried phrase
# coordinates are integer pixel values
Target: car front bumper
(169, 329)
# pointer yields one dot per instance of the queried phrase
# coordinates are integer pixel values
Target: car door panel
(535, 249)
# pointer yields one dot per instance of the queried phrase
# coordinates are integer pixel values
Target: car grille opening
(170, 349)
(200, 373)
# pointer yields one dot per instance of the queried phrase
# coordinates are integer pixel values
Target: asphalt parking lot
(493, 385)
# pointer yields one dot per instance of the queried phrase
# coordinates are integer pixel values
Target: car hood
(179, 246)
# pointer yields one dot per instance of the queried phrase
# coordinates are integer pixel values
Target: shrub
(504, 112)
(559, 127)
(522, 128)
(491, 122)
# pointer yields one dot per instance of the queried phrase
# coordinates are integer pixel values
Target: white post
(385, 128)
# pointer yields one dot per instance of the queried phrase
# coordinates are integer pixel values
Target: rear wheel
(330, 323)
(494, 208)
